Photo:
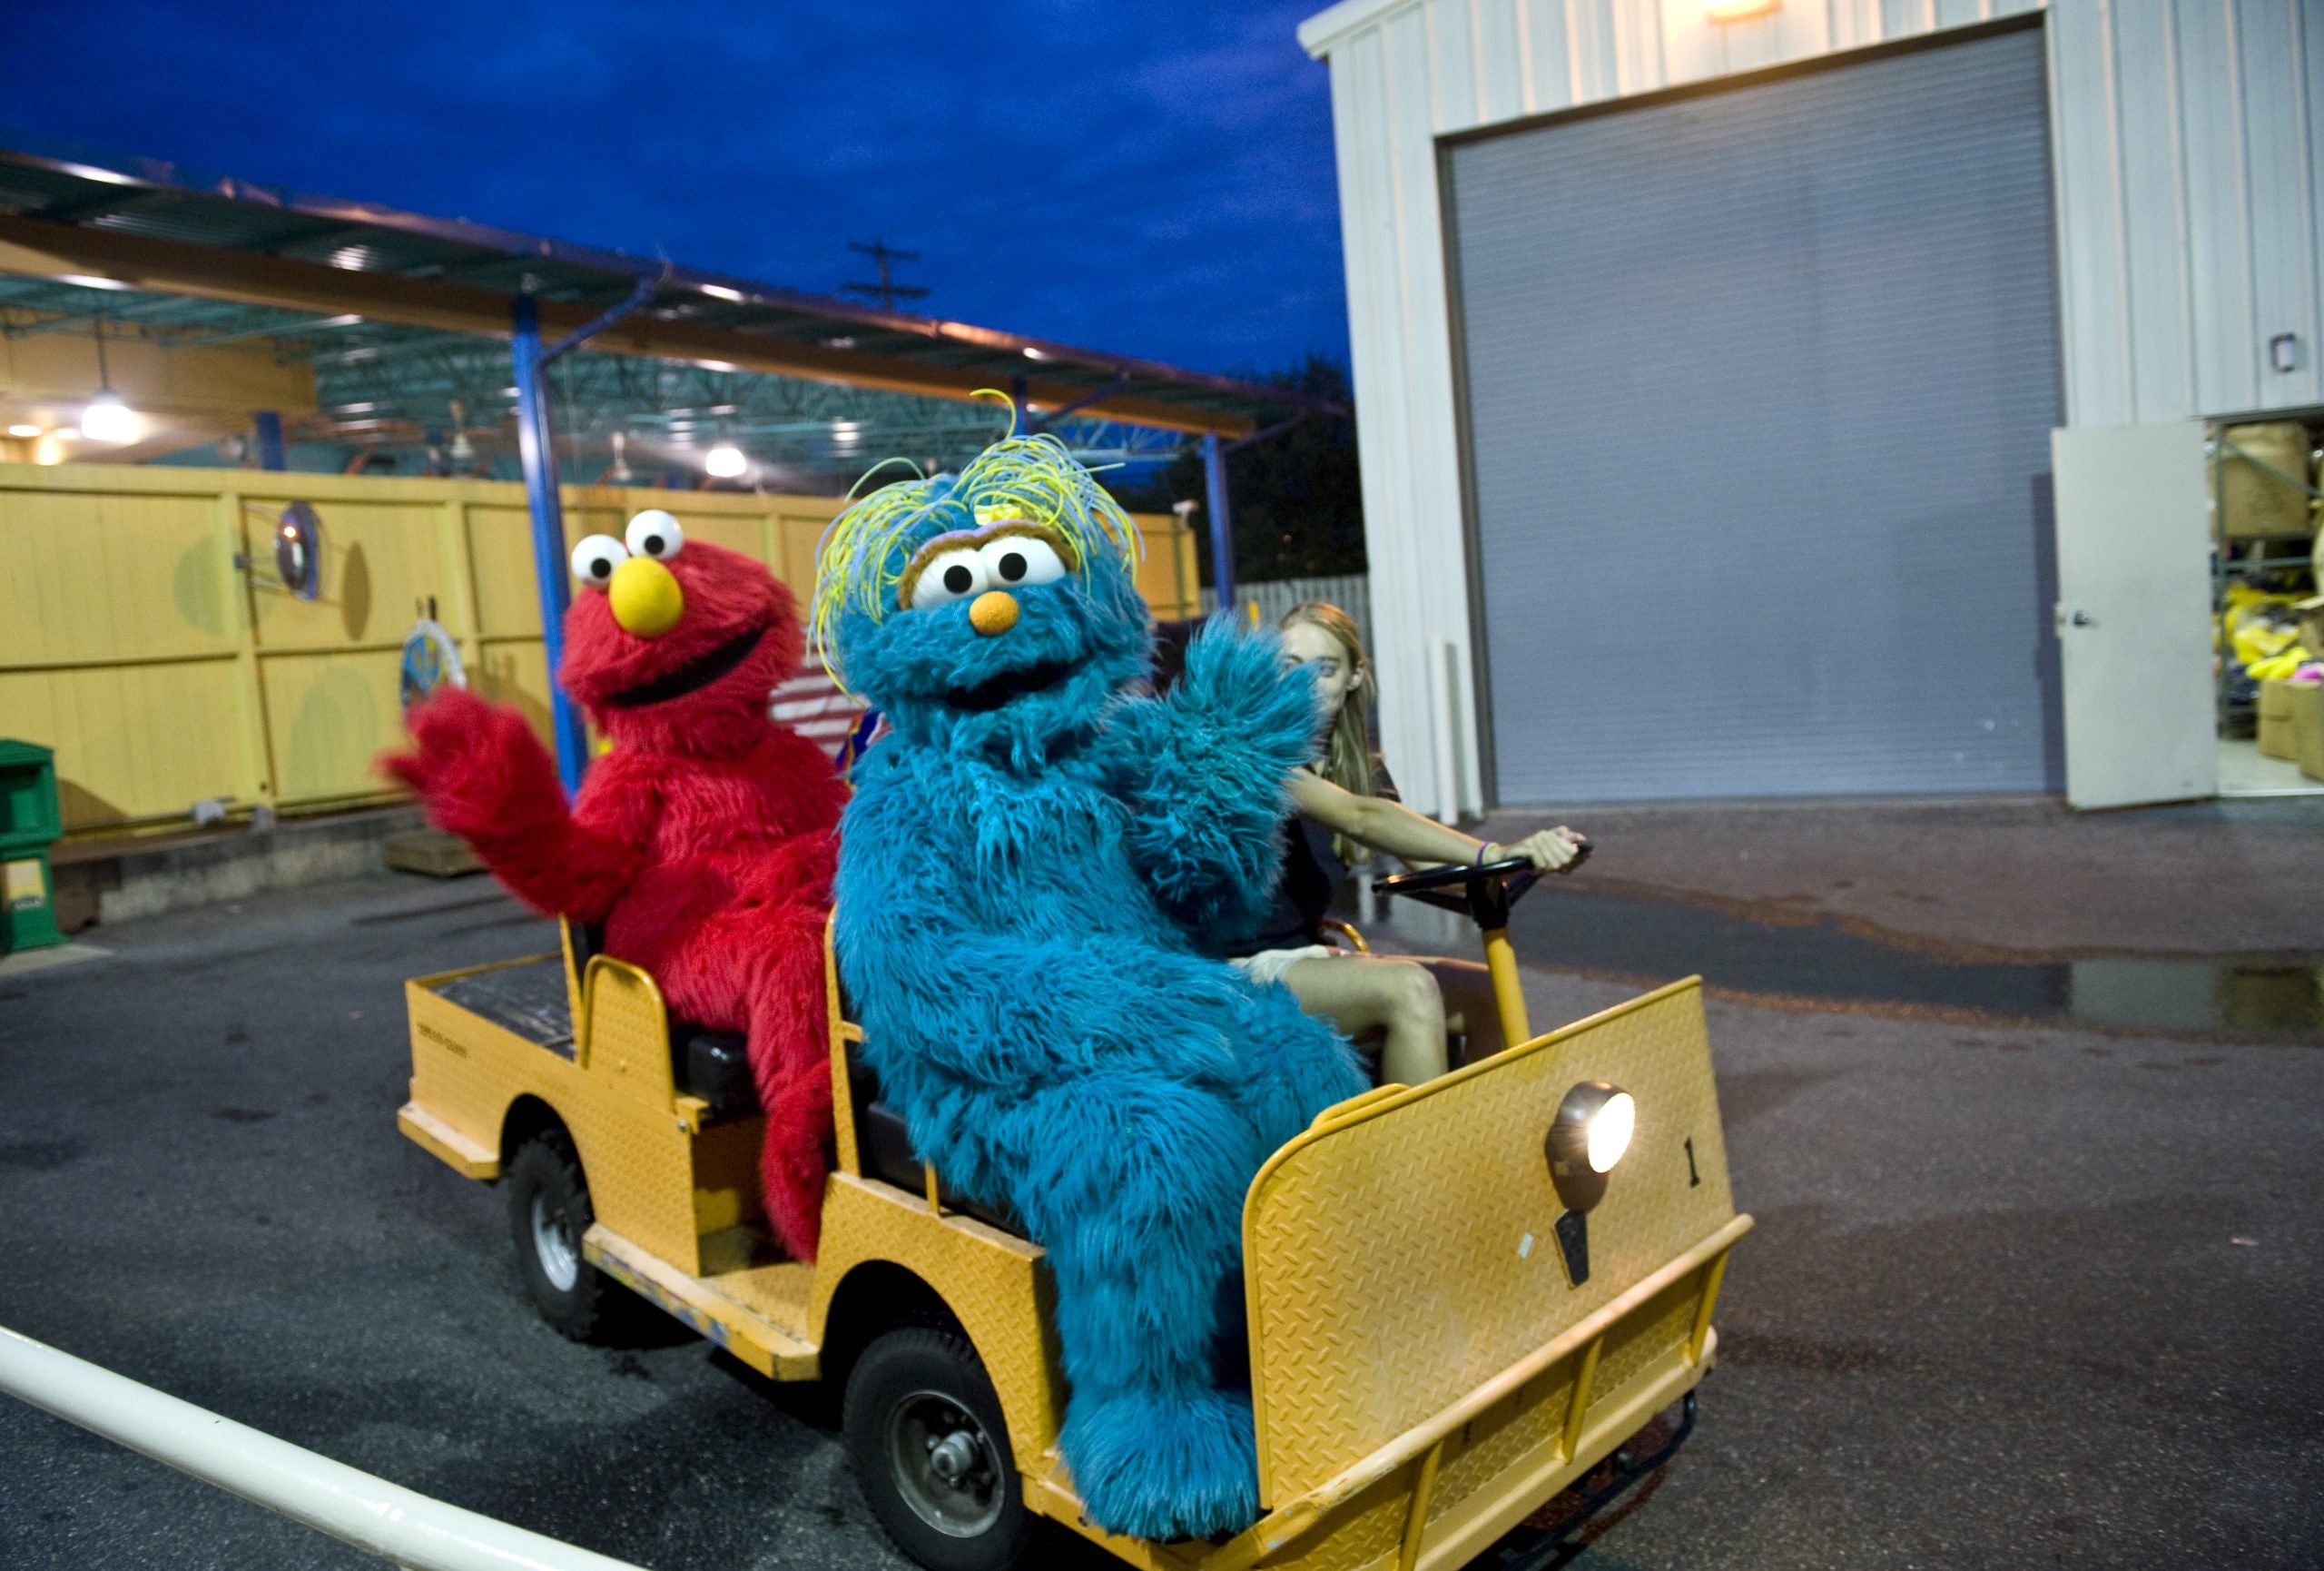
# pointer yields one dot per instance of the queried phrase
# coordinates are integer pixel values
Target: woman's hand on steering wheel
(1557, 850)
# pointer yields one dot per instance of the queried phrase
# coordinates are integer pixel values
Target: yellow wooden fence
(132, 642)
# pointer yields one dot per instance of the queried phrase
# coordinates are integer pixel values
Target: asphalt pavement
(2019, 1296)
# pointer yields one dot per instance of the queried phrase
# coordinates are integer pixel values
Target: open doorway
(2267, 491)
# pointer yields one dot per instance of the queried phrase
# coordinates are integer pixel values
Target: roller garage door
(1758, 392)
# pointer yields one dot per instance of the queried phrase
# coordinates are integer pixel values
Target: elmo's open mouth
(994, 691)
(697, 673)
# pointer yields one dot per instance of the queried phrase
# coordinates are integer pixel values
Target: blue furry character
(1020, 870)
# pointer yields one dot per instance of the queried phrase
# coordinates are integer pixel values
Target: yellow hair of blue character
(1031, 478)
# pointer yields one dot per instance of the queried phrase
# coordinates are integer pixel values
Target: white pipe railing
(378, 1517)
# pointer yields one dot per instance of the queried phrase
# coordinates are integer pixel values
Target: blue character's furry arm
(1203, 770)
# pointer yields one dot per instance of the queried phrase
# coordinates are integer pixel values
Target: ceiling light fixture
(107, 418)
(726, 461)
(24, 431)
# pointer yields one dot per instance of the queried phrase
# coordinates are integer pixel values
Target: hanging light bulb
(725, 460)
(463, 451)
(107, 418)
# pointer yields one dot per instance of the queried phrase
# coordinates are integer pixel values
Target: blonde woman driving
(1344, 803)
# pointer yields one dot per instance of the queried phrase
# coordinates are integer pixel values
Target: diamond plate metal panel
(986, 1278)
(1399, 1259)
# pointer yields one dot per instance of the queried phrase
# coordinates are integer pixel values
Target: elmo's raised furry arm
(482, 774)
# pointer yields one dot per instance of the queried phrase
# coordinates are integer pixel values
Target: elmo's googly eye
(1017, 560)
(954, 575)
(594, 560)
(654, 533)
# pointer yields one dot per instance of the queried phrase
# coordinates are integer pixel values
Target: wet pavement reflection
(1650, 941)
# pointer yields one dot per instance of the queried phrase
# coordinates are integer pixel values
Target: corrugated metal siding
(1761, 389)
(2190, 173)
(2189, 160)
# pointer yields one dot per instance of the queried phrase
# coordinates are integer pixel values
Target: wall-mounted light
(1740, 10)
(725, 460)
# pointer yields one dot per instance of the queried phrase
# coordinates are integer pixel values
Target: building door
(1758, 390)
(2133, 614)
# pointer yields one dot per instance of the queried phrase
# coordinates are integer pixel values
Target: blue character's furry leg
(1294, 1066)
(1136, 1191)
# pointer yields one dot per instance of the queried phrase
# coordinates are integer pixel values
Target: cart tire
(549, 1210)
(930, 1450)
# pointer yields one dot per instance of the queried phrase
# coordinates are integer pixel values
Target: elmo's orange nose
(992, 613)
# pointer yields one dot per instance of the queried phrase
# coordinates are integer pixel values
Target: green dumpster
(29, 826)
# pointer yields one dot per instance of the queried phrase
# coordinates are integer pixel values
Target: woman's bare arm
(1391, 826)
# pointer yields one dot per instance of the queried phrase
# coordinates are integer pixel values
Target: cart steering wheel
(1486, 890)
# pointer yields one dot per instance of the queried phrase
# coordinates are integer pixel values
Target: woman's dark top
(1312, 874)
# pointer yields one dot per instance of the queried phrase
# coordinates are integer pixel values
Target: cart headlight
(1588, 1136)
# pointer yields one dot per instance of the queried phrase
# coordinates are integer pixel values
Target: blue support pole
(538, 455)
(1221, 531)
(266, 425)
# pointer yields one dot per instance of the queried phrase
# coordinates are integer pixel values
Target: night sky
(1155, 180)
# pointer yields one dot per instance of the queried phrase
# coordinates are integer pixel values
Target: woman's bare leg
(1363, 995)
(1470, 1007)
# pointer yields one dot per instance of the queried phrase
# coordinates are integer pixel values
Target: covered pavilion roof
(396, 312)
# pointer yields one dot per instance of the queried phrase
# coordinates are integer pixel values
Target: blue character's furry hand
(1205, 771)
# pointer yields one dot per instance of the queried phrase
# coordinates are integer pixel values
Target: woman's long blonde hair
(1347, 750)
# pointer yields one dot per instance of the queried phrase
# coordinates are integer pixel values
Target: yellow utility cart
(1464, 1297)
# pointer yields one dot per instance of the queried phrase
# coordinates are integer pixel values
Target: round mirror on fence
(298, 551)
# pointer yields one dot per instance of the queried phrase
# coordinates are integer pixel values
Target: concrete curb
(118, 879)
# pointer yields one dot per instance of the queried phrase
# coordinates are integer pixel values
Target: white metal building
(1707, 372)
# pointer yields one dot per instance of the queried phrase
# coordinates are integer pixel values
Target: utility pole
(887, 291)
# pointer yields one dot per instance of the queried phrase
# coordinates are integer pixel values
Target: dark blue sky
(1155, 181)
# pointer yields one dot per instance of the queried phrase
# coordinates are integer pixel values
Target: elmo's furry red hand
(481, 774)
(477, 767)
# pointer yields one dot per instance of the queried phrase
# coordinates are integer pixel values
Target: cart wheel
(925, 1435)
(549, 1210)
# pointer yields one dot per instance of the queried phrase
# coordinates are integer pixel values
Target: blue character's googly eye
(953, 575)
(1015, 562)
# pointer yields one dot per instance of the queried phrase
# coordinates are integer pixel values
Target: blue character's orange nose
(993, 613)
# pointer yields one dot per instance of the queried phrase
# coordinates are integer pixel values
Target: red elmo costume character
(703, 843)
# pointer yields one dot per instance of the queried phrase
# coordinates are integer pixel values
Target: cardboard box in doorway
(2307, 728)
(2262, 480)
(2311, 618)
(2275, 720)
